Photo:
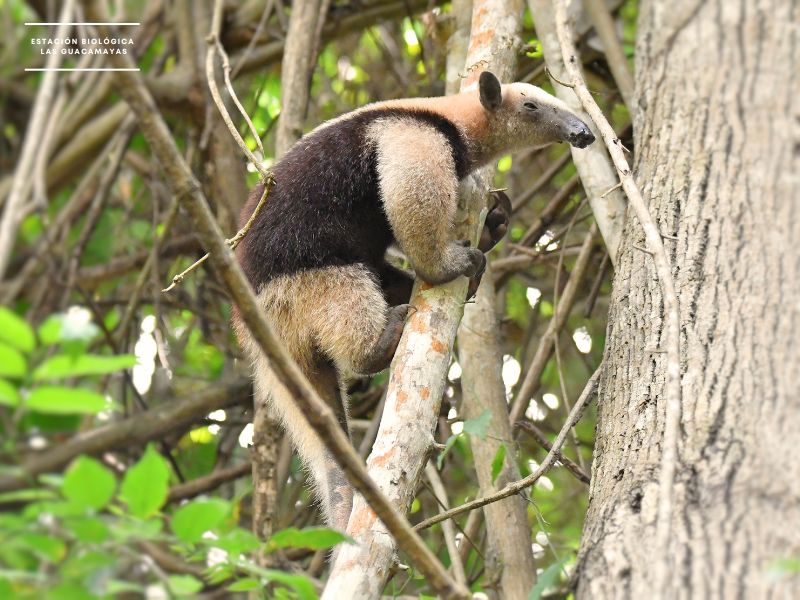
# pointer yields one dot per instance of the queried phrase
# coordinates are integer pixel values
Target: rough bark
(715, 122)
(422, 358)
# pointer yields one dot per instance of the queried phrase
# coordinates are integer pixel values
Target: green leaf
(238, 541)
(117, 587)
(298, 583)
(192, 520)
(69, 591)
(315, 538)
(184, 585)
(58, 400)
(546, 580)
(88, 529)
(45, 547)
(479, 424)
(12, 363)
(244, 585)
(50, 331)
(27, 495)
(9, 396)
(15, 331)
(88, 483)
(62, 365)
(84, 564)
(498, 461)
(448, 445)
(145, 485)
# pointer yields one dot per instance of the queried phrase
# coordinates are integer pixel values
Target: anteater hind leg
(336, 493)
(356, 327)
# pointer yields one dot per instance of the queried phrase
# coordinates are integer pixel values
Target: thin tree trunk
(509, 554)
(716, 118)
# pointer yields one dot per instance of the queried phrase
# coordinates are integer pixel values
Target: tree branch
(172, 415)
(596, 172)
(21, 184)
(531, 382)
(540, 438)
(547, 463)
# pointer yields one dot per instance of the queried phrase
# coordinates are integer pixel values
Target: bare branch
(595, 170)
(531, 382)
(21, 184)
(440, 494)
(540, 438)
(172, 415)
(547, 463)
(209, 482)
(615, 56)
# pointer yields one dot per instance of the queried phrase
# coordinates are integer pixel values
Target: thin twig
(439, 493)
(540, 438)
(209, 482)
(531, 382)
(616, 186)
(213, 41)
(544, 467)
(21, 184)
(669, 297)
(232, 242)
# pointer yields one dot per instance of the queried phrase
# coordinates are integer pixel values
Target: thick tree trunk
(717, 124)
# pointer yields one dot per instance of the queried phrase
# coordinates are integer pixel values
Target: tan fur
(488, 135)
(419, 202)
(345, 327)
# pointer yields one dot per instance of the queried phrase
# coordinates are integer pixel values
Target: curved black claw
(496, 224)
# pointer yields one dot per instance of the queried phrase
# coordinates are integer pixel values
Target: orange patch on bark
(425, 393)
(481, 39)
(438, 346)
(380, 461)
(419, 325)
(362, 521)
(402, 398)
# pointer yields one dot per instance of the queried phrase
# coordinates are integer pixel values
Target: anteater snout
(580, 136)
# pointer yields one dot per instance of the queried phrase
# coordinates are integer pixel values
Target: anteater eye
(530, 106)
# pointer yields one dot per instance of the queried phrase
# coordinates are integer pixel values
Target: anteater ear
(491, 93)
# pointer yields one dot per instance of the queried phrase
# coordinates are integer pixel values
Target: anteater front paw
(496, 224)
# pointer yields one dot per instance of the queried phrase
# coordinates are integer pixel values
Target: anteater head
(520, 115)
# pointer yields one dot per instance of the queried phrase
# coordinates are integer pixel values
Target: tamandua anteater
(383, 174)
